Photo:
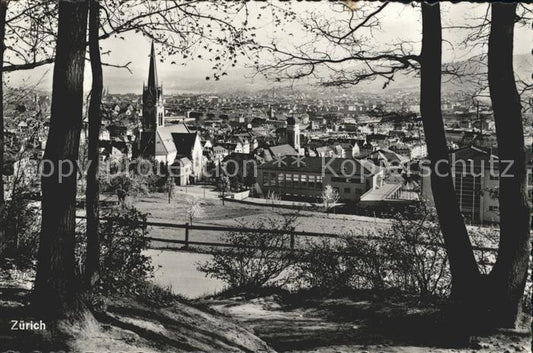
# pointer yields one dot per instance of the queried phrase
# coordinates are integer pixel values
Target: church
(174, 144)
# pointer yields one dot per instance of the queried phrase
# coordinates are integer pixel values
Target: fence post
(187, 235)
(292, 241)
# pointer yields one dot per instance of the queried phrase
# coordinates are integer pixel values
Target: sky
(402, 22)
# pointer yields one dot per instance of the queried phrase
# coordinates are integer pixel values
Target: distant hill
(183, 79)
(523, 67)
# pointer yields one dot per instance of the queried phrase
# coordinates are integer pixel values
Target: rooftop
(380, 194)
(283, 150)
(322, 165)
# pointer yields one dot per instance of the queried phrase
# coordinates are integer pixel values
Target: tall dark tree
(95, 120)
(56, 286)
(463, 265)
(3, 12)
(509, 274)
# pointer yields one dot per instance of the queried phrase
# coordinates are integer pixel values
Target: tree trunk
(3, 12)
(509, 274)
(95, 120)
(56, 286)
(463, 265)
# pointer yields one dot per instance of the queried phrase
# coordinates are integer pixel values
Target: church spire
(152, 71)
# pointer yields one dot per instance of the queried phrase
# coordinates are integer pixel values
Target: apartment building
(304, 178)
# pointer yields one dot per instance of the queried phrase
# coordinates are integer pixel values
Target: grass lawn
(234, 213)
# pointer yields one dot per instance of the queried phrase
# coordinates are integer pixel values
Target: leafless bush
(124, 268)
(409, 256)
(19, 232)
(255, 259)
(483, 238)
(343, 263)
(415, 251)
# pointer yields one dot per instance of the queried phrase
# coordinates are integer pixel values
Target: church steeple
(152, 70)
(153, 113)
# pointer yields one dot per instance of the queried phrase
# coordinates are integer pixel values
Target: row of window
(357, 192)
(288, 180)
(353, 180)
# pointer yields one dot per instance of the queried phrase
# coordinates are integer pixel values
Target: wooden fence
(293, 234)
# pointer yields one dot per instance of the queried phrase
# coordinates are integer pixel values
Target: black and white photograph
(303, 176)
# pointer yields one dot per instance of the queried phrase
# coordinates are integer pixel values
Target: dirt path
(349, 325)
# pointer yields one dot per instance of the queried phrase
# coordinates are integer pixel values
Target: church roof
(165, 134)
(184, 143)
(174, 128)
(168, 143)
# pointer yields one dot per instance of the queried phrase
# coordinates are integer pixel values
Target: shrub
(483, 237)
(414, 248)
(409, 256)
(20, 223)
(342, 263)
(123, 267)
(255, 259)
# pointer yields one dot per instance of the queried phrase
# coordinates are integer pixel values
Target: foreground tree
(55, 284)
(95, 121)
(510, 271)
(463, 266)
(3, 12)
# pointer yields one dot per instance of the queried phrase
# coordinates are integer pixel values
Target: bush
(415, 252)
(255, 259)
(338, 264)
(409, 256)
(485, 238)
(20, 223)
(123, 267)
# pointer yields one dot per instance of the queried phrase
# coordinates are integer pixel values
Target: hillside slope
(124, 325)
